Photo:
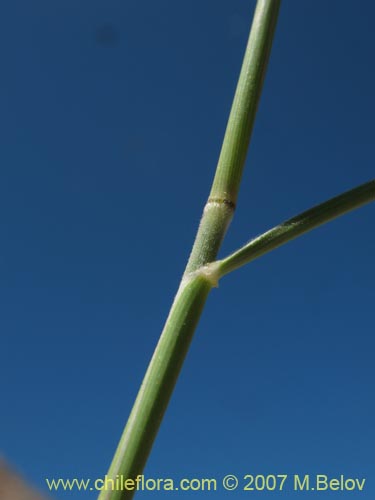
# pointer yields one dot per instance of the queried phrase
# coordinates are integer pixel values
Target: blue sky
(112, 116)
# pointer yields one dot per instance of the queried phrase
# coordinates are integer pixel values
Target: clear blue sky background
(112, 116)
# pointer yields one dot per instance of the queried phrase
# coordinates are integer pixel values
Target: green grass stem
(292, 228)
(202, 270)
(157, 386)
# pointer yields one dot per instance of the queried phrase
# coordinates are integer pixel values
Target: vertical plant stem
(222, 200)
(157, 386)
(165, 365)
